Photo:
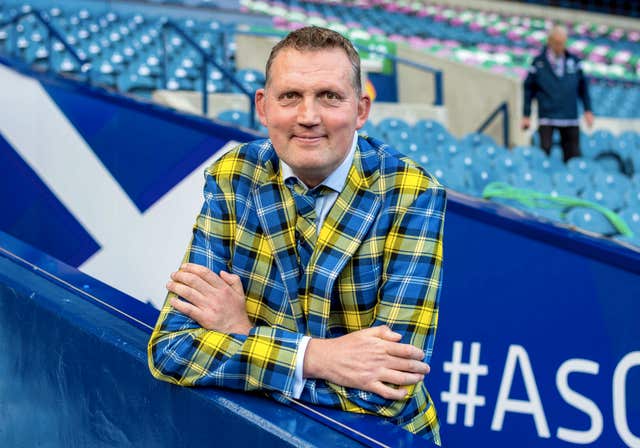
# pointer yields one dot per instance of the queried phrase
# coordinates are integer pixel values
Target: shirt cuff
(298, 380)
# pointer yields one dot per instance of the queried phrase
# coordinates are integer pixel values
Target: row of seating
(472, 164)
(126, 52)
(493, 41)
(543, 185)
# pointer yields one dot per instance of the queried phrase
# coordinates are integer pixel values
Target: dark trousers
(569, 139)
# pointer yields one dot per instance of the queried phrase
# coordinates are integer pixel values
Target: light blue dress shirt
(335, 181)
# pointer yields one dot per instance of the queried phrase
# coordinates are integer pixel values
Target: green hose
(532, 198)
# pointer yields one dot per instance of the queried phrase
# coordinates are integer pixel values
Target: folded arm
(377, 369)
(206, 338)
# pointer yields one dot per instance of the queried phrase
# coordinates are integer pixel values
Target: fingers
(400, 378)
(185, 308)
(191, 280)
(186, 292)
(233, 281)
(202, 272)
(407, 351)
(388, 392)
(384, 332)
(409, 365)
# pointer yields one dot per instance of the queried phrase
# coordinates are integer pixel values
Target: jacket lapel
(273, 209)
(342, 233)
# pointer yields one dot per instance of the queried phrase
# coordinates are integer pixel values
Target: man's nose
(308, 112)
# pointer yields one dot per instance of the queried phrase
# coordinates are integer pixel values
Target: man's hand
(216, 302)
(526, 123)
(367, 359)
(588, 118)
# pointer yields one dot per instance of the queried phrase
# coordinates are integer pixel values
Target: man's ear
(259, 100)
(364, 107)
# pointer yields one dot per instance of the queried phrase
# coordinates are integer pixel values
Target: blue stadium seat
(581, 165)
(616, 181)
(632, 198)
(250, 79)
(609, 198)
(507, 164)
(235, 117)
(475, 140)
(590, 220)
(532, 180)
(392, 124)
(602, 141)
(533, 156)
(569, 184)
(490, 152)
(449, 178)
(631, 216)
(425, 128)
(370, 129)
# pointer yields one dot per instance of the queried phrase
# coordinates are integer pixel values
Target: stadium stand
(125, 54)
(546, 252)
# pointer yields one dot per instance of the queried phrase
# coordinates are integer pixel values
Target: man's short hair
(314, 38)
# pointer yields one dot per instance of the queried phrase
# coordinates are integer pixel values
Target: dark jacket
(557, 96)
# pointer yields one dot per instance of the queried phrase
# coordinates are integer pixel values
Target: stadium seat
(610, 198)
(613, 181)
(425, 128)
(392, 124)
(532, 180)
(631, 216)
(370, 129)
(475, 140)
(569, 184)
(632, 198)
(490, 152)
(533, 156)
(507, 164)
(235, 117)
(582, 166)
(590, 220)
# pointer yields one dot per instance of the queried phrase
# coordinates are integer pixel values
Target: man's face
(311, 110)
(557, 43)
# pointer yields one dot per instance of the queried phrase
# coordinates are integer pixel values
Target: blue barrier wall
(551, 317)
(73, 373)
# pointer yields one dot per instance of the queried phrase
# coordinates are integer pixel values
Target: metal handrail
(84, 63)
(206, 59)
(438, 80)
(504, 109)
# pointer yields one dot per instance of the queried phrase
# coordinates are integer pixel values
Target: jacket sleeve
(408, 302)
(182, 352)
(583, 89)
(530, 87)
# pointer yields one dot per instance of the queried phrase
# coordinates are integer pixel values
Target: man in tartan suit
(338, 307)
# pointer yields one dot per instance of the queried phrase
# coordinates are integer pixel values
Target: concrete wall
(470, 94)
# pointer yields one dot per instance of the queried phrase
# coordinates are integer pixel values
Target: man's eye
(331, 96)
(289, 96)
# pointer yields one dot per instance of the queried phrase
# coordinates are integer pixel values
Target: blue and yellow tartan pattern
(377, 260)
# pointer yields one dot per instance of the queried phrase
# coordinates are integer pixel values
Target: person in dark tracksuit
(557, 82)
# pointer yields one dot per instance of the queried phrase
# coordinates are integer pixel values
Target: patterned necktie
(306, 229)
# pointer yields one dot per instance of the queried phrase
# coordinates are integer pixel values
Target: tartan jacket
(377, 260)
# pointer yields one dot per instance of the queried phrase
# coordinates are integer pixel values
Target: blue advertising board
(539, 335)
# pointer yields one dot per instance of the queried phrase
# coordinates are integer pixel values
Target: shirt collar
(337, 178)
(551, 56)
